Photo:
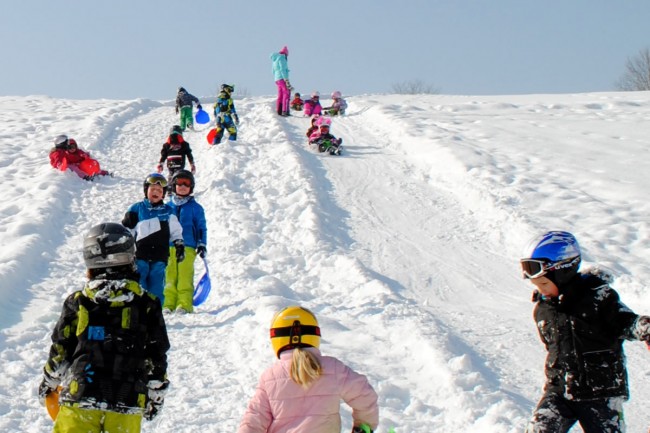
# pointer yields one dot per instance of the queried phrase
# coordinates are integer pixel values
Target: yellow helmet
(294, 327)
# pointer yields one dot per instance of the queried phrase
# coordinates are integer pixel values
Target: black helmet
(183, 174)
(155, 178)
(108, 245)
(176, 129)
(61, 141)
(228, 88)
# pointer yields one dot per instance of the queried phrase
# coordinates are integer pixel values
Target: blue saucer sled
(202, 117)
(202, 289)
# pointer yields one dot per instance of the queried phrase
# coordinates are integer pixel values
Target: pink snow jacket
(282, 406)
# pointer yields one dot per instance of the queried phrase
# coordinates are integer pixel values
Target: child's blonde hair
(305, 367)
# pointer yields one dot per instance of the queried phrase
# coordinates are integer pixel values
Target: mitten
(641, 328)
(159, 167)
(235, 118)
(193, 168)
(46, 387)
(198, 106)
(155, 398)
(180, 250)
(201, 250)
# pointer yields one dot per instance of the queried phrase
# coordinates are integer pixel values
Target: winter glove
(180, 250)
(159, 167)
(47, 386)
(641, 328)
(235, 118)
(193, 168)
(176, 109)
(363, 428)
(198, 107)
(200, 251)
(155, 398)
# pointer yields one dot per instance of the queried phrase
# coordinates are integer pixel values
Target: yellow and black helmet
(294, 327)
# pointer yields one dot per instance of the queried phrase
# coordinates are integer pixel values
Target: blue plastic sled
(202, 289)
(202, 117)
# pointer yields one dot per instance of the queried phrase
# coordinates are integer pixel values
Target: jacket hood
(111, 291)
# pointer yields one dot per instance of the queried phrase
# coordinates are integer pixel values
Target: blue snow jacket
(192, 218)
(154, 227)
(280, 68)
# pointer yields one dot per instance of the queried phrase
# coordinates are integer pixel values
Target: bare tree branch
(414, 87)
(637, 73)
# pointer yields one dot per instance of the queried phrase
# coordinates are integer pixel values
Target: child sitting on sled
(67, 155)
(312, 105)
(315, 119)
(325, 141)
(297, 103)
(339, 105)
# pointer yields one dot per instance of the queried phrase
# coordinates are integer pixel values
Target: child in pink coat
(303, 390)
(312, 105)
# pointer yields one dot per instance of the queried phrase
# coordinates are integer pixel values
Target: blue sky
(147, 48)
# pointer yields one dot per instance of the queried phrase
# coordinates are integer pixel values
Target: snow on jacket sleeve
(175, 229)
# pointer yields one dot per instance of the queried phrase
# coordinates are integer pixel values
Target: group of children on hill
(312, 106)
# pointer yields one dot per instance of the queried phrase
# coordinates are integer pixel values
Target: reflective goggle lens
(184, 182)
(153, 180)
(533, 268)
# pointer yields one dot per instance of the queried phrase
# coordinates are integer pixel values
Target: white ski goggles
(533, 268)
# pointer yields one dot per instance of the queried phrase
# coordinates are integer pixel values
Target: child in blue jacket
(154, 225)
(179, 288)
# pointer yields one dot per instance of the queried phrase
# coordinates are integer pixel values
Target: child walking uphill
(184, 101)
(154, 225)
(109, 346)
(225, 114)
(583, 324)
(175, 151)
(179, 286)
(302, 392)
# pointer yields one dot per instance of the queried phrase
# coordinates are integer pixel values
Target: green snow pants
(179, 288)
(186, 118)
(75, 420)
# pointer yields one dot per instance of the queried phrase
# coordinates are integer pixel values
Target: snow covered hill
(406, 247)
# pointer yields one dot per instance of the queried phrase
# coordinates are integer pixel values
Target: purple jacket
(281, 406)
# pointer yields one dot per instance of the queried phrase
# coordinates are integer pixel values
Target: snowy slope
(406, 247)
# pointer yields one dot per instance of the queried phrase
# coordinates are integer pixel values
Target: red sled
(211, 135)
(90, 166)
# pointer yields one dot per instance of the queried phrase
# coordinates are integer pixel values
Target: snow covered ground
(406, 247)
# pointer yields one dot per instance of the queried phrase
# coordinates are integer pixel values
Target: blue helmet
(555, 254)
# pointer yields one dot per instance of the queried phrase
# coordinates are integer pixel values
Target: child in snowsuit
(67, 155)
(325, 141)
(184, 104)
(281, 76)
(154, 226)
(179, 286)
(297, 102)
(303, 390)
(315, 121)
(175, 150)
(339, 105)
(312, 105)
(225, 114)
(583, 324)
(109, 346)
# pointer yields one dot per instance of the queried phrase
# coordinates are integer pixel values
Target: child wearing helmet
(66, 155)
(179, 281)
(175, 151)
(154, 225)
(323, 139)
(302, 391)
(312, 105)
(184, 105)
(297, 103)
(339, 105)
(582, 323)
(100, 383)
(225, 114)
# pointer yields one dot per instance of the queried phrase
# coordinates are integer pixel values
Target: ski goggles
(183, 182)
(533, 268)
(157, 180)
